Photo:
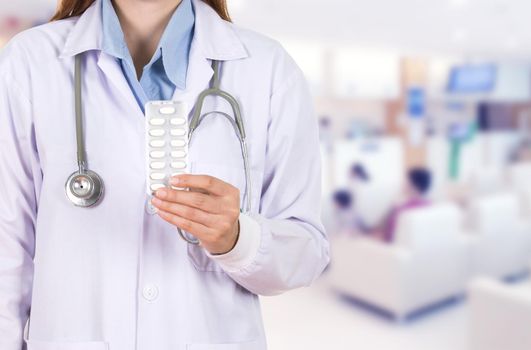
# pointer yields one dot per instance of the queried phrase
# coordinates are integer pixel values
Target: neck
(143, 23)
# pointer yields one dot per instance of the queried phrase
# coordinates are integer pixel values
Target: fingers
(203, 182)
(198, 230)
(209, 210)
(187, 212)
(197, 200)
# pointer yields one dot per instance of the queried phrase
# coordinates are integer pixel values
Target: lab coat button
(150, 208)
(150, 292)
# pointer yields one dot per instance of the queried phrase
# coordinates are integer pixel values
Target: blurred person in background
(116, 275)
(342, 220)
(416, 190)
(325, 133)
(358, 175)
(343, 216)
(359, 181)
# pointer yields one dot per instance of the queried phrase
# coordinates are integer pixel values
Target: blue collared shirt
(168, 67)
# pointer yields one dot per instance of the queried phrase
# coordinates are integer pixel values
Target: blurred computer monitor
(469, 79)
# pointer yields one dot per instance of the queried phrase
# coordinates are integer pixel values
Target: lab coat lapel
(199, 75)
(86, 36)
(112, 70)
(86, 33)
(214, 39)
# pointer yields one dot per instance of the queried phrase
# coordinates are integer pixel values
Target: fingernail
(156, 201)
(174, 181)
(161, 193)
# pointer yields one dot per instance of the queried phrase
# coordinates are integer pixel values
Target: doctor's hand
(210, 211)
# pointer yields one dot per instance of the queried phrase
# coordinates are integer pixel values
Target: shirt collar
(113, 41)
(174, 46)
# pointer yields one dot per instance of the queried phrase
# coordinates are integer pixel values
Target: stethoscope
(85, 188)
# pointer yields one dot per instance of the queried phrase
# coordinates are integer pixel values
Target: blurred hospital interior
(424, 109)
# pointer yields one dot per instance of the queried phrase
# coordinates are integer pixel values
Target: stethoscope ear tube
(237, 124)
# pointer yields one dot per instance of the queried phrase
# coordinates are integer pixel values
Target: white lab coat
(116, 277)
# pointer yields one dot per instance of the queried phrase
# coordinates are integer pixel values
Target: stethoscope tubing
(239, 130)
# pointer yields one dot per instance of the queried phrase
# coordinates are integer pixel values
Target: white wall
(513, 83)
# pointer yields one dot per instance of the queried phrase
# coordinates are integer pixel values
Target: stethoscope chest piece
(84, 188)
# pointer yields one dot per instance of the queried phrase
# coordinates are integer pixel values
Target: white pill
(157, 143)
(157, 132)
(167, 110)
(178, 132)
(155, 187)
(157, 176)
(177, 173)
(157, 121)
(178, 154)
(157, 165)
(178, 165)
(157, 154)
(177, 121)
(178, 143)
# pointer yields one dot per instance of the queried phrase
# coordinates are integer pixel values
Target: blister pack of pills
(166, 142)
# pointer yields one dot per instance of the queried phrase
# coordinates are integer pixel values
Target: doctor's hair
(73, 8)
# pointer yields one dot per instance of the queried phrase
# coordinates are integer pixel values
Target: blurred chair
(488, 180)
(499, 316)
(374, 201)
(499, 145)
(437, 158)
(378, 155)
(520, 181)
(383, 158)
(501, 238)
(427, 264)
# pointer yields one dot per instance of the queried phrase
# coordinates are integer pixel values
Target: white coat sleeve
(293, 249)
(18, 159)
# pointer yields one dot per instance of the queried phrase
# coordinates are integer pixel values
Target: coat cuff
(245, 250)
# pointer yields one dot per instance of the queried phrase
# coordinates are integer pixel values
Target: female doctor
(116, 275)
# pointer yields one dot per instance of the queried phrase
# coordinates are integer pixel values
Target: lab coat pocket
(45, 345)
(232, 175)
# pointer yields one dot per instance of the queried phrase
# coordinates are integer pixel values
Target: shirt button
(150, 292)
(150, 208)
